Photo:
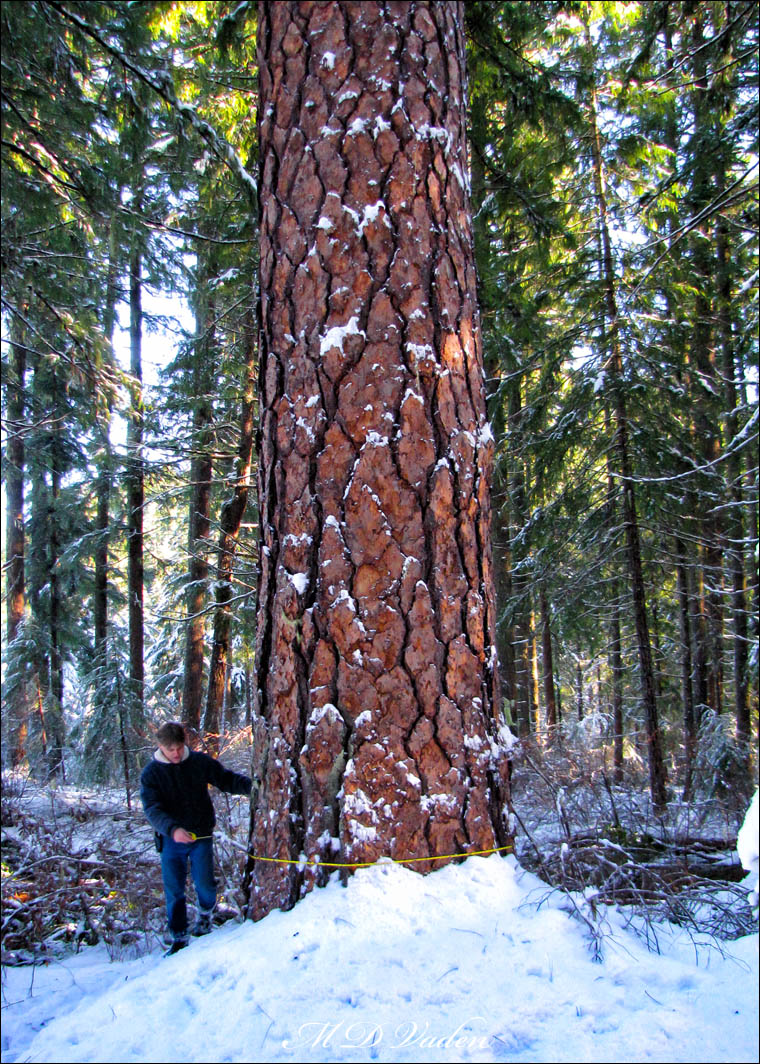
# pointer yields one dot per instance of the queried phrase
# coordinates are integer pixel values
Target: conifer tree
(377, 692)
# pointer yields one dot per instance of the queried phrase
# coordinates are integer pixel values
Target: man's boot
(204, 924)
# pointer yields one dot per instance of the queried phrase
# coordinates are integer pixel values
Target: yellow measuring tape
(364, 864)
(380, 860)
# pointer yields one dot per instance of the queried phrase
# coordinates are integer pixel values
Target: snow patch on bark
(300, 581)
(336, 336)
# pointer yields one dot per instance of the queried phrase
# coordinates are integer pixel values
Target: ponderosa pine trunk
(377, 684)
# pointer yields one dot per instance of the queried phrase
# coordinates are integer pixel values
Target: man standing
(174, 792)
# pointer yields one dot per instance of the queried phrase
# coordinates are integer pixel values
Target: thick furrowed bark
(377, 677)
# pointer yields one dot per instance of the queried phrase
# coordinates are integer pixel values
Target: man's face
(173, 753)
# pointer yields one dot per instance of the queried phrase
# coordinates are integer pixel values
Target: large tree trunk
(376, 674)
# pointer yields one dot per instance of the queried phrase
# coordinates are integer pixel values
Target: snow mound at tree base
(476, 962)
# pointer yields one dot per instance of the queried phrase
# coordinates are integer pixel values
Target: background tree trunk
(230, 521)
(547, 664)
(520, 578)
(135, 489)
(614, 367)
(54, 715)
(15, 535)
(734, 523)
(201, 472)
(105, 476)
(705, 384)
(377, 685)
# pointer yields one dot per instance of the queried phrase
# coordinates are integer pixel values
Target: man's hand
(180, 835)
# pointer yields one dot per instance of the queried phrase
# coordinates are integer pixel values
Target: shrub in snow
(720, 767)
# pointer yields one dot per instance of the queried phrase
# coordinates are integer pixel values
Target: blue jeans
(174, 859)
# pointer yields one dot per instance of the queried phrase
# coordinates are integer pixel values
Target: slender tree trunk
(38, 562)
(698, 630)
(105, 476)
(625, 471)
(646, 667)
(505, 629)
(201, 473)
(675, 341)
(616, 671)
(547, 661)
(519, 577)
(614, 655)
(200, 525)
(535, 698)
(15, 694)
(135, 490)
(734, 523)
(705, 383)
(124, 741)
(230, 521)
(42, 693)
(377, 681)
(248, 681)
(100, 597)
(657, 649)
(44, 592)
(687, 691)
(494, 370)
(54, 713)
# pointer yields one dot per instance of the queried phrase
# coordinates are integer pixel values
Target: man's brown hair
(171, 733)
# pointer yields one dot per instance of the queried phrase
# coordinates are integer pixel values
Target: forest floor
(611, 935)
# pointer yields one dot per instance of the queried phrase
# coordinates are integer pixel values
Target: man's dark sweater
(176, 796)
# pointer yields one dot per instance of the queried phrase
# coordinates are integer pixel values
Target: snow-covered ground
(475, 962)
